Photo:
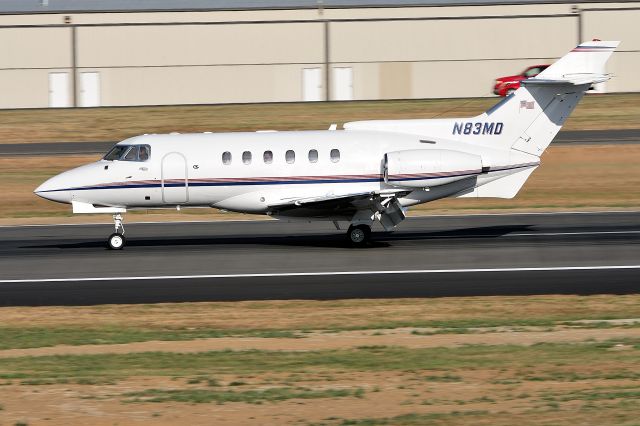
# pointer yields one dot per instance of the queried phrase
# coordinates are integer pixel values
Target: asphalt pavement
(437, 256)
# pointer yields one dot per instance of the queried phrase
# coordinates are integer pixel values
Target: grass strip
(203, 396)
(598, 394)
(376, 358)
(604, 111)
(413, 419)
(37, 337)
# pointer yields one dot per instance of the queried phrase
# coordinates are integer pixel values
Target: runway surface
(590, 137)
(576, 253)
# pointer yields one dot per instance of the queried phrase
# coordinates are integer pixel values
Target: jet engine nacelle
(423, 168)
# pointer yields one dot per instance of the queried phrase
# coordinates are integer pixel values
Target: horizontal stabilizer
(583, 65)
(505, 187)
(573, 79)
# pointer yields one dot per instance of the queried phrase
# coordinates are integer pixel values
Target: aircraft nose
(54, 189)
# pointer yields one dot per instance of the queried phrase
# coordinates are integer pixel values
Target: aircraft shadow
(379, 239)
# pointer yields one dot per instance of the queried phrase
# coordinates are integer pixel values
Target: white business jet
(370, 171)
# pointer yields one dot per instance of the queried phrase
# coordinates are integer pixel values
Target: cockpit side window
(144, 153)
(116, 152)
(129, 153)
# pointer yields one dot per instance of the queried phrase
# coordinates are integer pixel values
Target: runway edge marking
(329, 273)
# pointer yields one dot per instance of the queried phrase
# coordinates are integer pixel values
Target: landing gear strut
(359, 235)
(116, 240)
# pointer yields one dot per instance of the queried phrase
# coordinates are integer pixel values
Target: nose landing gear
(116, 241)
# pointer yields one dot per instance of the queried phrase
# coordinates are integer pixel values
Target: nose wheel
(116, 241)
(359, 235)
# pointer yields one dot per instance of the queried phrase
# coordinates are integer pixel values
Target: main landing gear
(116, 240)
(359, 235)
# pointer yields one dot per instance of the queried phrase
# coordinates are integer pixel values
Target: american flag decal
(527, 105)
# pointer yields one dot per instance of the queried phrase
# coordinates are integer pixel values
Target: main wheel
(116, 241)
(359, 235)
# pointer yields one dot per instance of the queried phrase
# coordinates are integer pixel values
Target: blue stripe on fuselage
(158, 184)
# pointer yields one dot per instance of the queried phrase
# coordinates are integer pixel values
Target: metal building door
(311, 84)
(342, 84)
(89, 89)
(175, 183)
(59, 90)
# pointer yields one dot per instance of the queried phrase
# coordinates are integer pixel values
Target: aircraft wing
(338, 202)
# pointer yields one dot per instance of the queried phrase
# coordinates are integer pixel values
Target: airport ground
(550, 335)
(545, 359)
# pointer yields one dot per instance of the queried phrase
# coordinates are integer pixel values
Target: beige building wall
(25, 88)
(465, 39)
(625, 62)
(149, 58)
(35, 47)
(201, 85)
(200, 45)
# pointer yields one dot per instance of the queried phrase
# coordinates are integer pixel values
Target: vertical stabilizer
(531, 117)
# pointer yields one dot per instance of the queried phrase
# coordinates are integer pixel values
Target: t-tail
(522, 125)
(532, 116)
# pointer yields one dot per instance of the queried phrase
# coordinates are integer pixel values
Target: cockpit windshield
(129, 153)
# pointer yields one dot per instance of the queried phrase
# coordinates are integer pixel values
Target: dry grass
(552, 380)
(297, 315)
(112, 124)
(600, 176)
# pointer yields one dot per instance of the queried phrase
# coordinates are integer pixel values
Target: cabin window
(268, 157)
(335, 155)
(290, 156)
(246, 157)
(226, 158)
(313, 156)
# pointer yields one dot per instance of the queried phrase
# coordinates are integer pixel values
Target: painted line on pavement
(330, 273)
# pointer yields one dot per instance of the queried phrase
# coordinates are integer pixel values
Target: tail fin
(531, 117)
(587, 61)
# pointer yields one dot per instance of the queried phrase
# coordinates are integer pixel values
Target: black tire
(359, 235)
(116, 241)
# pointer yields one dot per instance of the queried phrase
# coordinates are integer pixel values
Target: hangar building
(85, 53)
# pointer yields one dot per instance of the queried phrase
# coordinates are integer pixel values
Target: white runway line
(552, 234)
(331, 273)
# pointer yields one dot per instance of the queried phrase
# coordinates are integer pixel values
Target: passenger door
(175, 183)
